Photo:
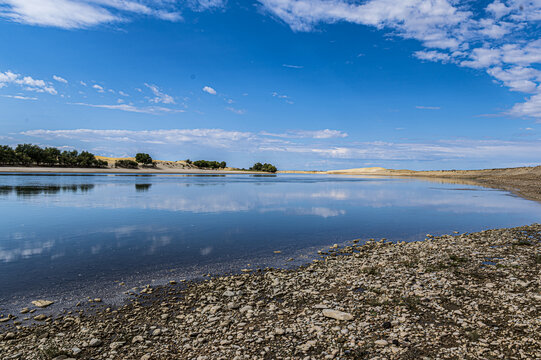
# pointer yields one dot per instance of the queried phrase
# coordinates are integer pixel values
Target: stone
(229, 293)
(94, 342)
(338, 315)
(24, 310)
(117, 344)
(75, 350)
(145, 357)
(156, 332)
(381, 342)
(42, 303)
(9, 336)
(40, 317)
(137, 339)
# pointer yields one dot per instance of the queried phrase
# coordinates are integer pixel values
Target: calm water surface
(62, 230)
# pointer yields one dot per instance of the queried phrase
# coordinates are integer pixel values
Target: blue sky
(321, 84)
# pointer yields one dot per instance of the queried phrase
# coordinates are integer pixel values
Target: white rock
(117, 344)
(42, 303)
(94, 342)
(338, 315)
(381, 342)
(137, 339)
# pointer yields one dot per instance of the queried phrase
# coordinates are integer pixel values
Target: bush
(204, 164)
(143, 158)
(264, 167)
(126, 164)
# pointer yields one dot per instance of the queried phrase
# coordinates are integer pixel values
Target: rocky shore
(468, 296)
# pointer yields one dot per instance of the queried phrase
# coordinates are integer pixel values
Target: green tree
(143, 158)
(7, 155)
(51, 156)
(264, 167)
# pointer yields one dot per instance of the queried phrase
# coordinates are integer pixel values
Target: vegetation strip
(464, 296)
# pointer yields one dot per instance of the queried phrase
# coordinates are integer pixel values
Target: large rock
(338, 315)
(42, 303)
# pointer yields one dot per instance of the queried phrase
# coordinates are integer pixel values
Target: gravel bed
(468, 296)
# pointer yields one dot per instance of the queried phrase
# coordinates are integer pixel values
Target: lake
(74, 234)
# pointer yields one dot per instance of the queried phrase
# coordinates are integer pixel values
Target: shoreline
(453, 296)
(522, 181)
(149, 171)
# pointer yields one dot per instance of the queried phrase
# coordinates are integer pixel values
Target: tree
(264, 167)
(28, 154)
(7, 155)
(51, 156)
(143, 158)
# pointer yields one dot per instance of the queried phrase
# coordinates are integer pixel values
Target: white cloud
(201, 5)
(236, 111)
(293, 66)
(517, 78)
(60, 79)
(19, 97)
(498, 9)
(131, 108)
(73, 14)
(241, 141)
(502, 39)
(313, 134)
(160, 97)
(432, 56)
(209, 90)
(530, 108)
(98, 88)
(427, 107)
(483, 58)
(208, 137)
(26, 82)
(82, 83)
(122, 93)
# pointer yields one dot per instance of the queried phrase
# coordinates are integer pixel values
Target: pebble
(338, 315)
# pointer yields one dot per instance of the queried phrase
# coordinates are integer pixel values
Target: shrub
(126, 164)
(205, 164)
(264, 167)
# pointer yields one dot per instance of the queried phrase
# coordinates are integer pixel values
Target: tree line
(33, 155)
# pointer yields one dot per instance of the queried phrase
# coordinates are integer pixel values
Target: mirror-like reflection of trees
(142, 187)
(33, 190)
